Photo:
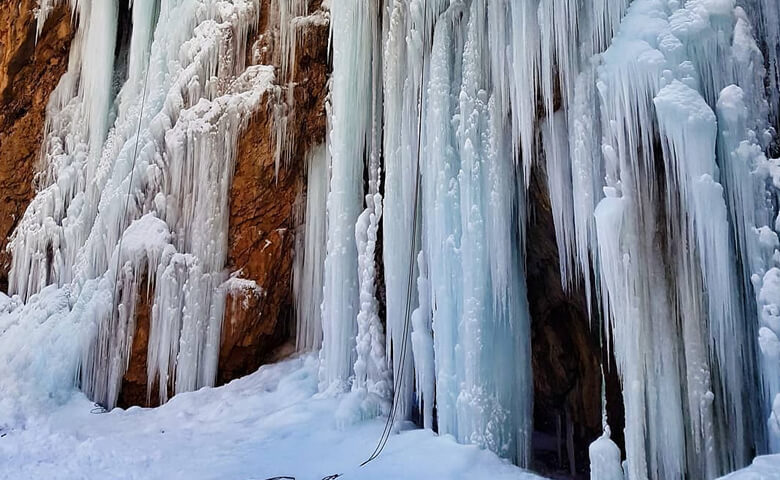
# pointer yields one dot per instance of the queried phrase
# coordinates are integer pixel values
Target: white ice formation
(137, 166)
(652, 121)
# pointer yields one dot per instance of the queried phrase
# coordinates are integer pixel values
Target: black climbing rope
(100, 408)
(132, 175)
(385, 437)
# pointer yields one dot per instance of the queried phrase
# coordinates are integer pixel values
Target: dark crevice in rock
(566, 354)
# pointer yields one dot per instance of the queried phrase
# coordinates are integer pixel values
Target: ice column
(353, 28)
(310, 253)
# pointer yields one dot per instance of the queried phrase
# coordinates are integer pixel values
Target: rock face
(134, 383)
(258, 321)
(566, 353)
(259, 309)
(263, 218)
(29, 71)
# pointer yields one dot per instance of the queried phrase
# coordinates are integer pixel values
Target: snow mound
(267, 424)
(763, 468)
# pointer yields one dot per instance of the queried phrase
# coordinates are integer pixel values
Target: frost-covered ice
(267, 424)
(605, 461)
(133, 190)
(651, 120)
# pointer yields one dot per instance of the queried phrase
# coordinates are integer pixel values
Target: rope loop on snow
(98, 409)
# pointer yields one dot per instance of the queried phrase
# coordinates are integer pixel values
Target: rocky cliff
(263, 201)
(262, 220)
(30, 68)
(259, 313)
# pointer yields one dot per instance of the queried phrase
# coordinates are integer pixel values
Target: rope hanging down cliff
(383, 439)
(408, 307)
(127, 205)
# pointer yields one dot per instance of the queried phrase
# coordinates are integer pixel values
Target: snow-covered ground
(270, 423)
(763, 468)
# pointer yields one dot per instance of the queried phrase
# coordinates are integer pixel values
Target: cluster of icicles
(654, 120)
(138, 158)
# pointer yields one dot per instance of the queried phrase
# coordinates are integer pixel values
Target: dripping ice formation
(653, 123)
(127, 206)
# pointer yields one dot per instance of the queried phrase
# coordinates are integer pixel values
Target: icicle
(768, 11)
(559, 180)
(586, 172)
(405, 58)
(310, 255)
(671, 212)
(371, 373)
(353, 28)
(168, 155)
(669, 51)
(372, 387)
(701, 200)
(441, 223)
(422, 345)
(372, 377)
(524, 87)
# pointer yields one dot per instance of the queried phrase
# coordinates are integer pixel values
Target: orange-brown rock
(133, 390)
(29, 71)
(262, 210)
(258, 321)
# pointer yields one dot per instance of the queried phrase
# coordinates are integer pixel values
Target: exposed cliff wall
(258, 317)
(258, 314)
(29, 70)
(262, 218)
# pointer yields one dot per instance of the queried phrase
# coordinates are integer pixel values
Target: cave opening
(567, 355)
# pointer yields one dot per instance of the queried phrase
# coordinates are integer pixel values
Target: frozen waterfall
(652, 124)
(133, 190)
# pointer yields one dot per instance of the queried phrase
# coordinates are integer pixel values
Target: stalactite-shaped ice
(422, 346)
(766, 20)
(404, 54)
(371, 373)
(441, 224)
(660, 54)
(671, 209)
(353, 28)
(524, 83)
(166, 154)
(310, 253)
(555, 135)
(587, 176)
(490, 409)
